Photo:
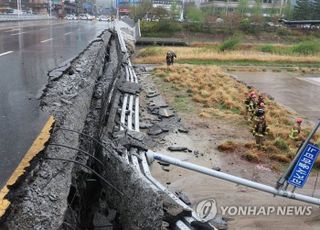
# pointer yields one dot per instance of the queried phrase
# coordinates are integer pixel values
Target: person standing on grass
(296, 129)
(260, 130)
(170, 57)
(251, 105)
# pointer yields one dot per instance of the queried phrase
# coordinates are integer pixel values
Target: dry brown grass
(221, 96)
(156, 55)
(228, 146)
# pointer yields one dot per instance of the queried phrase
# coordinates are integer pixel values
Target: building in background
(267, 6)
(27, 6)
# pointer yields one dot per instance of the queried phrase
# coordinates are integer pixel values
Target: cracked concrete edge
(32, 204)
(141, 205)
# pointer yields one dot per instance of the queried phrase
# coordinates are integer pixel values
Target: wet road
(27, 51)
(300, 93)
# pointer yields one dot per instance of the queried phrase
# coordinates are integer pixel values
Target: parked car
(104, 18)
(90, 17)
(70, 17)
(83, 17)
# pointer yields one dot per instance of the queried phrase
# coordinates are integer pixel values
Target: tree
(195, 14)
(243, 7)
(316, 10)
(302, 10)
(173, 9)
(140, 11)
(159, 12)
(257, 10)
(288, 10)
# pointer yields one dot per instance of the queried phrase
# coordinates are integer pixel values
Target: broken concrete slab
(157, 129)
(166, 113)
(151, 95)
(129, 87)
(144, 125)
(183, 130)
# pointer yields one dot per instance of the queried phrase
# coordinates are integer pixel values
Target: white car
(104, 18)
(70, 17)
(90, 17)
(83, 17)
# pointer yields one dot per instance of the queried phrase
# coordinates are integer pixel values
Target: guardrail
(15, 17)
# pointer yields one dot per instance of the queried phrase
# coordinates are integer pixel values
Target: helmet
(261, 105)
(260, 113)
(299, 120)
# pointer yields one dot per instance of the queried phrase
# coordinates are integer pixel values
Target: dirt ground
(203, 138)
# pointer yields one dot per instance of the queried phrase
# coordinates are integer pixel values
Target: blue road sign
(304, 165)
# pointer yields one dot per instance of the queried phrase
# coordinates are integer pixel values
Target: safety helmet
(299, 120)
(260, 113)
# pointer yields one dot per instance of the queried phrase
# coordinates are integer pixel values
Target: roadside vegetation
(232, 52)
(219, 96)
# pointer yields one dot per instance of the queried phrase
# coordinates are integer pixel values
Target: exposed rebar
(87, 167)
(77, 149)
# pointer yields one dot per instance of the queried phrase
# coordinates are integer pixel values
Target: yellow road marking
(35, 148)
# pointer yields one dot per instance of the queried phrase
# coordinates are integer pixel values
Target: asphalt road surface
(299, 93)
(28, 50)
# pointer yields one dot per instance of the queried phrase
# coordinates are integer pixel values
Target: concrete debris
(183, 130)
(179, 149)
(156, 130)
(173, 212)
(129, 87)
(219, 222)
(153, 94)
(200, 225)
(164, 112)
(163, 163)
(216, 168)
(165, 169)
(144, 125)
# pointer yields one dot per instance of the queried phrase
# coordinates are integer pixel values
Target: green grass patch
(267, 48)
(307, 48)
(281, 144)
(182, 103)
(247, 63)
(149, 51)
(229, 44)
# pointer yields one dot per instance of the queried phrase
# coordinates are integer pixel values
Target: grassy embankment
(304, 56)
(208, 92)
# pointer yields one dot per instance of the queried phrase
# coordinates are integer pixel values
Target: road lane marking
(36, 147)
(5, 53)
(67, 33)
(7, 31)
(46, 40)
(18, 33)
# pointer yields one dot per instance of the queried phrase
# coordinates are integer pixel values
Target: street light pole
(19, 7)
(50, 6)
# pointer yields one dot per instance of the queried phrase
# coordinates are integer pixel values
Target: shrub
(306, 48)
(228, 146)
(248, 27)
(229, 44)
(251, 157)
(267, 48)
(150, 51)
(281, 144)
